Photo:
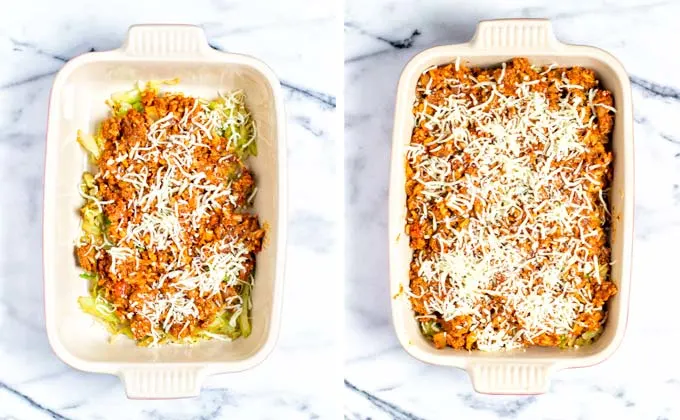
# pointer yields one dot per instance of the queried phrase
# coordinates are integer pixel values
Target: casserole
(519, 371)
(154, 52)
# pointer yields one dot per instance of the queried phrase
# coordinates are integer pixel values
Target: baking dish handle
(510, 378)
(524, 34)
(162, 383)
(167, 41)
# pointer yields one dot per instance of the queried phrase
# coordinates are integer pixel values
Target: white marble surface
(300, 377)
(642, 380)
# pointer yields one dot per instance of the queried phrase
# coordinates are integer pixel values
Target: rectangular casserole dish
(523, 371)
(77, 102)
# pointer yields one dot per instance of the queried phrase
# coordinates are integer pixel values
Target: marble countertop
(297, 381)
(642, 380)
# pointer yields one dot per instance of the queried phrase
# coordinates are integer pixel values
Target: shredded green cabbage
(566, 341)
(97, 306)
(125, 101)
(588, 337)
(243, 319)
(231, 325)
(88, 186)
(238, 126)
(93, 220)
(122, 102)
(92, 144)
(222, 326)
(430, 328)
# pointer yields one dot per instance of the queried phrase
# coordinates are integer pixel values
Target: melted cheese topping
(511, 206)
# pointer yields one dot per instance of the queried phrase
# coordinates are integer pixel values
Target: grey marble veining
(642, 380)
(36, 39)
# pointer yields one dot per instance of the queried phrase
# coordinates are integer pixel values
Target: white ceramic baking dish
(77, 102)
(517, 372)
